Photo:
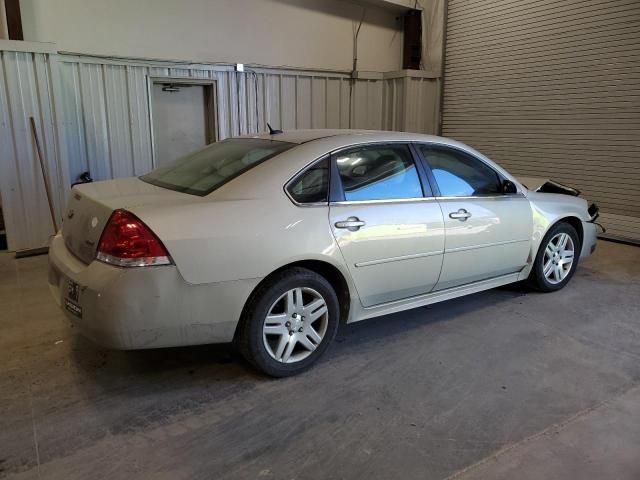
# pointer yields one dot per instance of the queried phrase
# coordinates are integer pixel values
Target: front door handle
(461, 215)
(352, 224)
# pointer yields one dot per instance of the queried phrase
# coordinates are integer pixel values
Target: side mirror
(509, 187)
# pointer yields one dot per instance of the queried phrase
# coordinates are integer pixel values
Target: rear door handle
(352, 224)
(461, 215)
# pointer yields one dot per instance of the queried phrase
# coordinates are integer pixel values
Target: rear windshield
(201, 172)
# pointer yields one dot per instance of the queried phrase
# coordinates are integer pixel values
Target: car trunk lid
(90, 206)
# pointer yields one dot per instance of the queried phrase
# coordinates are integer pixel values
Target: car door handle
(352, 224)
(461, 215)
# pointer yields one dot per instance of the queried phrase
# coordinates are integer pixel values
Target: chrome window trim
(426, 199)
(390, 200)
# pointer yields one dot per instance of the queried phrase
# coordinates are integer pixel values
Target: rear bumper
(145, 307)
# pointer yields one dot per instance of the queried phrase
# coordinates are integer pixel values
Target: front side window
(460, 175)
(203, 171)
(381, 172)
(312, 185)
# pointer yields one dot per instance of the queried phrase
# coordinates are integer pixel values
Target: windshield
(201, 172)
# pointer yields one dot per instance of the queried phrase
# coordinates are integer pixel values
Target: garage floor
(504, 384)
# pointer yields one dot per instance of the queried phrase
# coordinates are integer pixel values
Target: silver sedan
(271, 241)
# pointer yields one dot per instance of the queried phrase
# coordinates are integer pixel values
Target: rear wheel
(557, 258)
(289, 322)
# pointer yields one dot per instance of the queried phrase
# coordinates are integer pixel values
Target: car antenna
(272, 131)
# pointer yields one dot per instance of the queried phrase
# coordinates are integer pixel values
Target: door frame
(211, 105)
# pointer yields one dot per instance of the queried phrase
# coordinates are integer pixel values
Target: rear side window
(201, 172)
(378, 172)
(312, 185)
(460, 175)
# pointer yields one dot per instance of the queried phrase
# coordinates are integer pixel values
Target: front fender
(547, 210)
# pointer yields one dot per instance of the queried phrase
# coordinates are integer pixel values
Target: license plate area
(72, 298)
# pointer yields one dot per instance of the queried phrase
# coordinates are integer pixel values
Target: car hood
(546, 185)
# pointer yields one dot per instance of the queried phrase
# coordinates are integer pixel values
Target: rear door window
(378, 172)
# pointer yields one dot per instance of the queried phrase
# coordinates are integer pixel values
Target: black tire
(249, 338)
(537, 278)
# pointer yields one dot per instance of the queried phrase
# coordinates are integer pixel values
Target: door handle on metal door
(461, 215)
(352, 224)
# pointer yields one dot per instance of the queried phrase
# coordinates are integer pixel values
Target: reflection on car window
(460, 175)
(312, 186)
(382, 172)
(201, 172)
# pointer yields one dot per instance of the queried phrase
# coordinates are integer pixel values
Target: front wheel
(557, 258)
(289, 322)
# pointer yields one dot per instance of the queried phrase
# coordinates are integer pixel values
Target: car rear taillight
(127, 242)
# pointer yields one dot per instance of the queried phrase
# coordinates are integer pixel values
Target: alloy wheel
(558, 258)
(295, 325)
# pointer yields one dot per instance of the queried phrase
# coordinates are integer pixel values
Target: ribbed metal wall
(107, 120)
(411, 103)
(26, 90)
(552, 89)
(102, 121)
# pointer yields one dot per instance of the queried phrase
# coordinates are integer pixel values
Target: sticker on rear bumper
(73, 291)
(73, 308)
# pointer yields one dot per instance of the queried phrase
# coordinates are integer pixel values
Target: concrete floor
(503, 384)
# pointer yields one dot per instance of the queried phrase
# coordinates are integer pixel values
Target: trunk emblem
(70, 214)
(94, 222)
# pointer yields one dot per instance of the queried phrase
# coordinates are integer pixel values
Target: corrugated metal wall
(107, 117)
(27, 83)
(107, 120)
(552, 89)
(103, 124)
(411, 102)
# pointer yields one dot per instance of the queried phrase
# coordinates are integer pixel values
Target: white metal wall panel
(411, 104)
(107, 111)
(552, 89)
(26, 90)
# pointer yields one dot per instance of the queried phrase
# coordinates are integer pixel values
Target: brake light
(127, 242)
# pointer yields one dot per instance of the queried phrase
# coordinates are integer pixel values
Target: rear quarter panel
(226, 240)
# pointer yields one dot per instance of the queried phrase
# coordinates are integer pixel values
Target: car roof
(312, 145)
(308, 135)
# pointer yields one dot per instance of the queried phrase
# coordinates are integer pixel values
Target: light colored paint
(224, 243)
(497, 228)
(300, 33)
(400, 240)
